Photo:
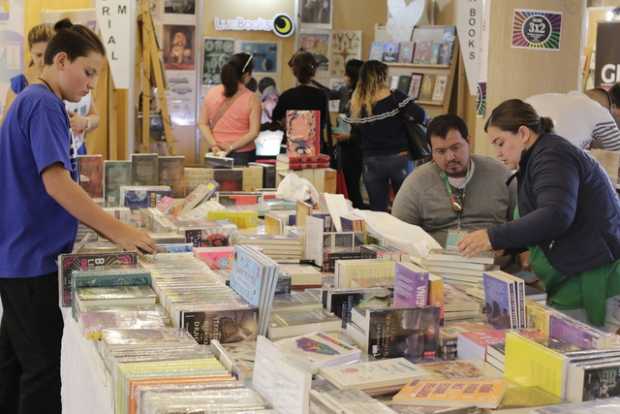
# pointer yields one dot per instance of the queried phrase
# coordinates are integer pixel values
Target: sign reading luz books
(115, 18)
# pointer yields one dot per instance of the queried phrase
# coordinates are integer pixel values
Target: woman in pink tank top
(230, 113)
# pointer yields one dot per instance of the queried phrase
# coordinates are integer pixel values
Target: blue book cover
(246, 277)
(497, 302)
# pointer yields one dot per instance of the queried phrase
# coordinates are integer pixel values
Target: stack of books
(282, 248)
(254, 277)
(457, 269)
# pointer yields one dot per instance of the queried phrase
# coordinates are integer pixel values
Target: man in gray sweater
(456, 190)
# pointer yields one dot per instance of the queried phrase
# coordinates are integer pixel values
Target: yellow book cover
(273, 225)
(243, 219)
(531, 364)
(436, 294)
(482, 393)
(519, 397)
(537, 316)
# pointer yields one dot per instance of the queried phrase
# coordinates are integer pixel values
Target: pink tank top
(236, 120)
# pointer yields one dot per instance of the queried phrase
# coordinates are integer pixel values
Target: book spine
(514, 314)
(112, 281)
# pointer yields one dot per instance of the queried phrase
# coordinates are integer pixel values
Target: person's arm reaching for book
(77, 202)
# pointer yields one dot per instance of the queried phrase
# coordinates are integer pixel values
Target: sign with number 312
(536, 29)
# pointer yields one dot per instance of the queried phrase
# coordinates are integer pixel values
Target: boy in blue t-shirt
(39, 217)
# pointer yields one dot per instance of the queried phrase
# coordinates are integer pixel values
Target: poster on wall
(536, 29)
(403, 16)
(266, 57)
(607, 64)
(316, 43)
(345, 45)
(180, 6)
(315, 13)
(11, 44)
(335, 84)
(181, 95)
(178, 47)
(217, 52)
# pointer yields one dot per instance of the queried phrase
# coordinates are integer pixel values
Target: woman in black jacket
(569, 212)
(376, 113)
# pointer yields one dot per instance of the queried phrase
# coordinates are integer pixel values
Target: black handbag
(417, 143)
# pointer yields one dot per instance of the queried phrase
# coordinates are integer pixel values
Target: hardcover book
(303, 130)
(145, 169)
(172, 174)
(117, 174)
(90, 174)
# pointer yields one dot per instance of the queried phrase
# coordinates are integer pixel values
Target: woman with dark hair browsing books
(305, 96)
(230, 114)
(569, 213)
(376, 113)
(39, 221)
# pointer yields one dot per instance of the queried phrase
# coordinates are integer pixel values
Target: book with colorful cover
(172, 173)
(570, 330)
(217, 258)
(68, 263)
(445, 53)
(410, 286)
(412, 333)
(224, 325)
(453, 369)
(90, 174)
(317, 350)
(137, 197)
(481, 393)
(303, 130)
(390, 52)
(229, 179)
(201, 193)
(405, 54)
(423, 53)
(145, 169)
(376, 51)
(498, 304)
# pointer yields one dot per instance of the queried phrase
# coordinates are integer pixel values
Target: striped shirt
(579, 119)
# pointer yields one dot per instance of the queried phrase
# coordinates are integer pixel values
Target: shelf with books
(416, 65)
(424, 68)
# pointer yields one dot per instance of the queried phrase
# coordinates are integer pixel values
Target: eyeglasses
(247, 63)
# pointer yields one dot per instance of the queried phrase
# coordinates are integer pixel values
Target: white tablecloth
(86, 385)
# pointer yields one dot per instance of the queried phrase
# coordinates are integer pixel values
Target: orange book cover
(481, 393)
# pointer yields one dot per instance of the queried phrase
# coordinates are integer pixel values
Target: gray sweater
(423, 199)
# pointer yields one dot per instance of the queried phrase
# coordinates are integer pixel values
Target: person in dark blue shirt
(39, 218)
(569, 212)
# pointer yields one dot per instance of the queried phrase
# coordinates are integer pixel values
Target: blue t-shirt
(19, 83)
(35, 229)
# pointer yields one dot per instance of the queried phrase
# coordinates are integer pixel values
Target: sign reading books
(469, 26)
(607, 70)
(115, 18)
(536, 29)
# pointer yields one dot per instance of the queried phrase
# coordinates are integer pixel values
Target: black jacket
(568, 208)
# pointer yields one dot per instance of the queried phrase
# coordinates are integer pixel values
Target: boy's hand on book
(133, 239)
(475, 243)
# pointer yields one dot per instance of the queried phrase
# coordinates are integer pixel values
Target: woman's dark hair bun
(63, 24)
(546, 125)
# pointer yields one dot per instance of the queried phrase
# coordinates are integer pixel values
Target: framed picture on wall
(317, 43)
(345, 45)
(315, 13)
(266, 55)
(415, 85)
(217, 52)
(180, 6)
(178, 47)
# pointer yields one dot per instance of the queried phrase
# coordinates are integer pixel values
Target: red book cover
(303, 130)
